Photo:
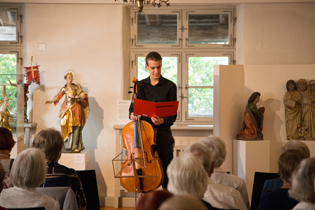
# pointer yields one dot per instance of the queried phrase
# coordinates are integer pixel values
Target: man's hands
(156, 119)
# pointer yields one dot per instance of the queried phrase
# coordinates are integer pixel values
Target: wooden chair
(259, 180)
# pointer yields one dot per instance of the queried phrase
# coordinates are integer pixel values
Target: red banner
(32, 74)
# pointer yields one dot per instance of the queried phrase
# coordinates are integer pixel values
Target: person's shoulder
(49, 202)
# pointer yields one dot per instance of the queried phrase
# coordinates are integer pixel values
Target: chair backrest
(89, 183)
(64, 195)
(31, 208)
(259, 180)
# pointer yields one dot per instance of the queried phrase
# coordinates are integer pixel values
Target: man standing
(156, 88)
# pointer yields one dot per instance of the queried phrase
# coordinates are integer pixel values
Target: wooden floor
(122, 208)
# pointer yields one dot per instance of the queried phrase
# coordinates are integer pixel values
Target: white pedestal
(249, 157)
(77, 161)
(18, 147)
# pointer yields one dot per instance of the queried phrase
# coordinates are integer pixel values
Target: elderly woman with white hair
(219, 176)
(303, 185)
(28, 172)
(187, 176)
(217, 195)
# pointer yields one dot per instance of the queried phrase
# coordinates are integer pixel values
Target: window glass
(7, 25)
(169, 68)
(208, 29)
(157, 29)
(8, 71)
(200, 85)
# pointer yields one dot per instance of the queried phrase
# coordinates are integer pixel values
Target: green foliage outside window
(8, 71)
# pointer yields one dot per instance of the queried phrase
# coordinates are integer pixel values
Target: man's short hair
(303, 181)
(6, 139)
(154, 56)
(187, 176)
(295, 144)
(183, 202)
(29, 169)
(288, 162)
(217, 148)
(201, 151)
(50, 141)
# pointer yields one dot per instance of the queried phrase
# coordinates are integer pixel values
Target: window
(191, 42)
(11, 48)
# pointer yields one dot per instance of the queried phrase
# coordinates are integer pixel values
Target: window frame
(19, 17)
(182, 51)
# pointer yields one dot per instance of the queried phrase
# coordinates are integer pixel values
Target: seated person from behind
(6, 144)
(219, 176)
(217, 195)
(2, 177)
(152, 200)
(187, 176)
(303, 184)
(51, 142)
(28, 172)
(279, 199)
(183, 202)
(273, 184)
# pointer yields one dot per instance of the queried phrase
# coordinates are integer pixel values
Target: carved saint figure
(311, 87)
(4, 112)
(292, 102)
(73, 114)
(253, 120)
(306, 110)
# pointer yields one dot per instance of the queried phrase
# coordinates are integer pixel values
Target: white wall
(276, 33)
(87, 39)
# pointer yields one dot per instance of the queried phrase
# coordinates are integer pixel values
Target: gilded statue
(4, 112)
(73, 113)
(253, 120)
(292, 102)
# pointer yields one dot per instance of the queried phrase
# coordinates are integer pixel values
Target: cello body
(146, 161)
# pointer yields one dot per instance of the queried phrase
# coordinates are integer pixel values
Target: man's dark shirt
(61, 176)
(164, 90)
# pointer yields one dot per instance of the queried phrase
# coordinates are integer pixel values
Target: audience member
(219, 176)
(279, 199)
(183, 202)
(2, 177)
(6, 144)
(217, 195)
(273, 184)
(51, 142)
(153, 200)
(187, 176)
(28, 172)
(303, 183)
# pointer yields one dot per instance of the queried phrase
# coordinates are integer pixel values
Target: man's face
(154, 68)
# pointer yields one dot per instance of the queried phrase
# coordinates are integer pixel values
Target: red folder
(151, 109)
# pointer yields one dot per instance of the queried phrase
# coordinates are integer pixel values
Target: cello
(142, 171)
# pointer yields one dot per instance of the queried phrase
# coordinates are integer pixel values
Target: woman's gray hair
(50, 141)
(303, 181)
(183, 202)
(202, 151)
(187, 176)
(298, 145)
(217, 147)
(29, 169)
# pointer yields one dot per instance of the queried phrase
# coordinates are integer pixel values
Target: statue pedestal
(249, 157)
(77, 161)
